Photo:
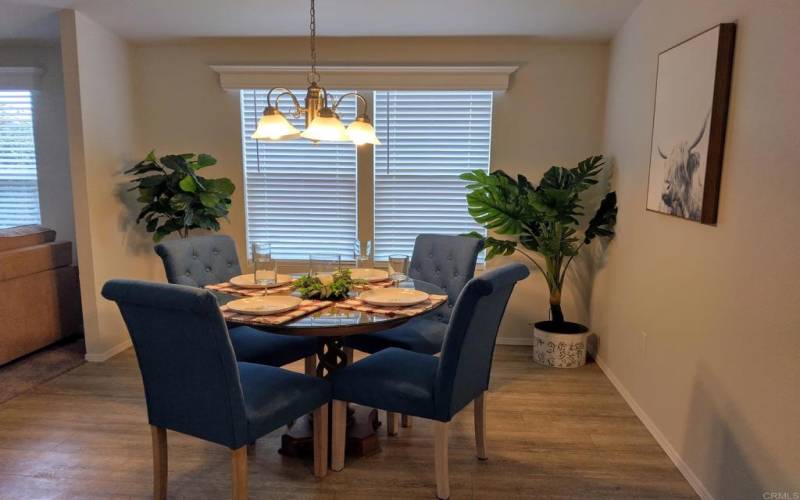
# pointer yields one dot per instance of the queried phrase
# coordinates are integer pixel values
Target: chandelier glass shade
(322, 123)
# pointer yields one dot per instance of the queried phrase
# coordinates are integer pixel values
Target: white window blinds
(428, 139)
(300, 196)
(19, 194)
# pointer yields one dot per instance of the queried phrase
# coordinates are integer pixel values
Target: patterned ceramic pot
(559, 346)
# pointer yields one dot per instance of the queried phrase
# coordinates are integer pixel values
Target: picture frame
(690, 114)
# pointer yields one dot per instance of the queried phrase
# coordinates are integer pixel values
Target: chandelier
(322, 121)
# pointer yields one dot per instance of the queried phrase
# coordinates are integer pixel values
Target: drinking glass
(398, 267)
(321, 265)
(362, 259)
(265, 267)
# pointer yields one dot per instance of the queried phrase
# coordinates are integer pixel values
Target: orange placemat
(305, 307)
(359, 305)
(372, 286)
(249, 292)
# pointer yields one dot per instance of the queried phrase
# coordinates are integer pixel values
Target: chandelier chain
(313, 76)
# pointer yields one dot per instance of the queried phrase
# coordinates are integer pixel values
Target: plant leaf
(188, 184)
(602, 224)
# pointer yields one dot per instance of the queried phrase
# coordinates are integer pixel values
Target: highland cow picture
(689, 120)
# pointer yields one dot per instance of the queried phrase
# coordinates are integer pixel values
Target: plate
(262, 306)
(393, 297)
(370, 275)
(247, 281)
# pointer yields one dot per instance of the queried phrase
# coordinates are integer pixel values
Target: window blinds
(300, 196)
(428, 138)
(19, 194)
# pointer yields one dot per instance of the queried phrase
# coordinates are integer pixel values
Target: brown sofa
(39, 293)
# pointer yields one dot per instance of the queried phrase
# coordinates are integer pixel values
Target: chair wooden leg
(338, 434)
(239, 473)
(480, 426)
(348, 351)
(405, 420)
(159, 437)
(321, 441)
(440, 459)
(391, 423)
(311, 366)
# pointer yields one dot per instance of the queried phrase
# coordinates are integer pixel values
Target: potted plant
(544, 220)
(176, 198)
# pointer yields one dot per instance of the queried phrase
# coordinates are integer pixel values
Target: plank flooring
(551, 434)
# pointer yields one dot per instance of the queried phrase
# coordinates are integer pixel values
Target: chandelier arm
(359, 98)
(298, 109)
(269, 94)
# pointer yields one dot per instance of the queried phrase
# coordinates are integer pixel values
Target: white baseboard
(651, 426)
(515, 341)
(108, 353)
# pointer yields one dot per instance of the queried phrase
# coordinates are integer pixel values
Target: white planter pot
(559, 350)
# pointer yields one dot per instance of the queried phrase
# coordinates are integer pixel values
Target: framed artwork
(690, 114)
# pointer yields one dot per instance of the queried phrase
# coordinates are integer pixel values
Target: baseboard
(514, 341)
(108, 353)
(651, 426)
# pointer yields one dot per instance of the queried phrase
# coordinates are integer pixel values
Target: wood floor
(550, 434)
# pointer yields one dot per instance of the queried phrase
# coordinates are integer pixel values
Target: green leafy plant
(543, 219)
(176, 198)
(311, 287)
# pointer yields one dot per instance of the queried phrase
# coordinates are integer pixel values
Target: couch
(39, 293)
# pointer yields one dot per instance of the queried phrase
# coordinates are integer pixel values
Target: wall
(716, 376)
(552, 113)
(50, 125)
(98, 80)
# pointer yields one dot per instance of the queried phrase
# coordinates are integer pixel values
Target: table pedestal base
(362, 440)
(361, 421)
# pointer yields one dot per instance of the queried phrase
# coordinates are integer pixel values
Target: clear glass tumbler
(363, 259)
(324, 265)
(398, 267)
(265, 267)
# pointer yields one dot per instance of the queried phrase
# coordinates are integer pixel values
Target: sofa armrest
(34, 259)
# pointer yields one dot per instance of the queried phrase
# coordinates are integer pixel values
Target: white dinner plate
(248, 281)
(262, 306)
(370, 275)
(398, 297)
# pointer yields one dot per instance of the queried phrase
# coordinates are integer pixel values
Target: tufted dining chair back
(200, 260)
(190, 375)
(446, 261)
(466, 360)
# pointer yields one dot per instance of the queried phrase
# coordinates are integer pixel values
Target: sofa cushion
(34, 259)
(25, 236)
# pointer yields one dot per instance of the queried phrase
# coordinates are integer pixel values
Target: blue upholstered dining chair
(449, 263)
(446, 261)
(430, 387)
(207, 260)
(194, 385)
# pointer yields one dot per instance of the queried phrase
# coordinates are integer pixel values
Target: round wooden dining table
(330, 326)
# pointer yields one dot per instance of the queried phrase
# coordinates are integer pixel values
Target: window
(300, 196)
(19, 194)
(428, 140)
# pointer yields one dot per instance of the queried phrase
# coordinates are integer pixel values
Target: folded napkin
(305, 307)
(417, 309)
(249, 292)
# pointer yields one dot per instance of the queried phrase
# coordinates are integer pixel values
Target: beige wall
(720, 305)
(50, 129)
(552, 113)
(98, 81)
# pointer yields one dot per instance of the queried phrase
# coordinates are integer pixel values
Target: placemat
(359, 305)
(372, 286)
(249, 292)
(305, 307)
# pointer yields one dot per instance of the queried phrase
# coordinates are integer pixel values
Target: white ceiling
(146, 20)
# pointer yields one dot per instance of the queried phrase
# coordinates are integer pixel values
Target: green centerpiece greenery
(176, 198)
(543, 219)
(337, 288)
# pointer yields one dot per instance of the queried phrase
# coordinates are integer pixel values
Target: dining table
(330, 322)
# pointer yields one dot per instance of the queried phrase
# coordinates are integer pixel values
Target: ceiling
(148, 20)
